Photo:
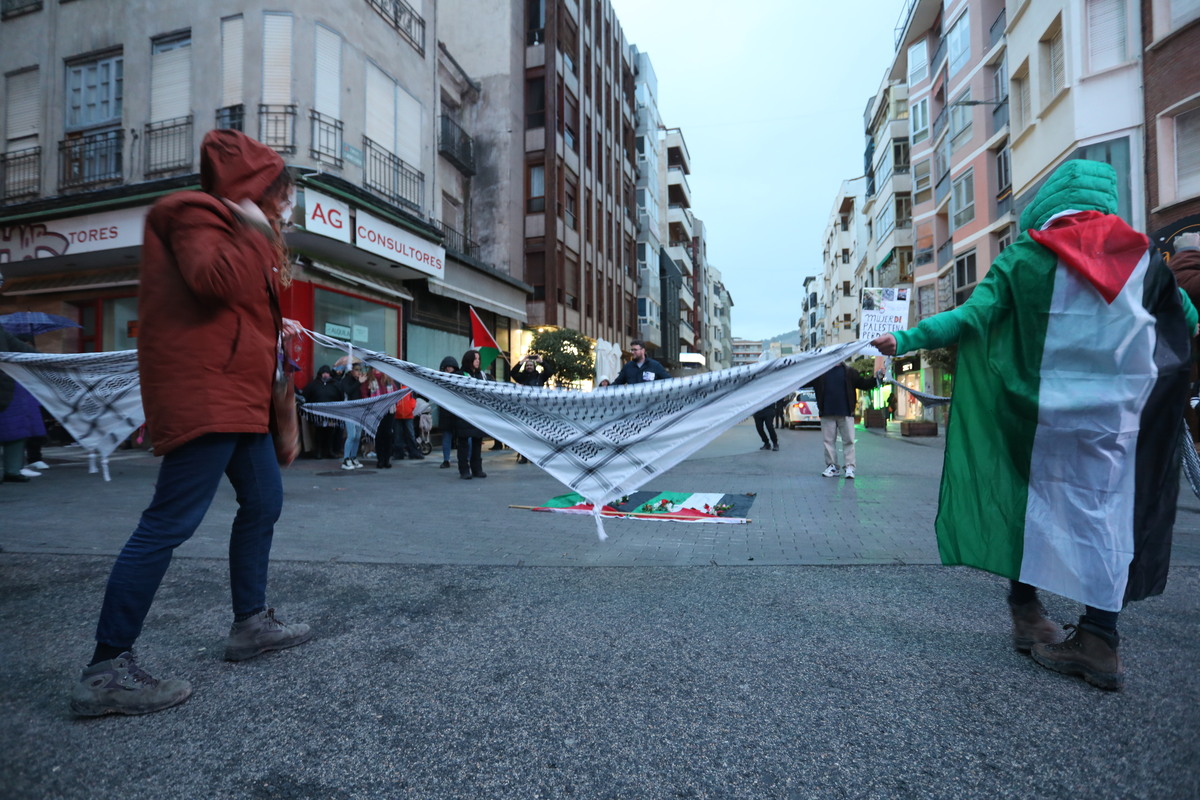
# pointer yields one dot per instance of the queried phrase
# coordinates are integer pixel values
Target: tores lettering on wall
(85, 234)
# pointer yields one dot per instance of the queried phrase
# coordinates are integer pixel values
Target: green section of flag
(486, 356)
(564, 501)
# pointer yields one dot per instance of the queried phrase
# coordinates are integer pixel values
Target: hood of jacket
(234, 166)
(1078, 185)
(448, 361)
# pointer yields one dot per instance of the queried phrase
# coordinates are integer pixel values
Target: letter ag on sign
(326, 215)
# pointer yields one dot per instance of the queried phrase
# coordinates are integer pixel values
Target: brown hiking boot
(1031, 627)
(1089, 653)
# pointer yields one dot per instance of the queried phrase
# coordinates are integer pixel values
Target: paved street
(467, 649)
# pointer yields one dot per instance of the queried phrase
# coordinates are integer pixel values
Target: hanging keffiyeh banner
(606, 444)
(96, 396)
(926, 399)
(367, 412)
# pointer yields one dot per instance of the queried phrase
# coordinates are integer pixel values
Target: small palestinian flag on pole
(481, 340)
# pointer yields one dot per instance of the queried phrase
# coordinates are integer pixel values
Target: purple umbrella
(31, 323)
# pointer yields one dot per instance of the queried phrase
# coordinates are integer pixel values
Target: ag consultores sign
(333, 218)
(396, 244)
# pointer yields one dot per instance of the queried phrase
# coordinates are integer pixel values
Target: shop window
(362, 322)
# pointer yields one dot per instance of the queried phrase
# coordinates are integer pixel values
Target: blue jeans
(187, 483)
(353, 440)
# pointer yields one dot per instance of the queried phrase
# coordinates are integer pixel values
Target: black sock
(105, 652)
(244, 617)
(1021, 593)
(1099, 618)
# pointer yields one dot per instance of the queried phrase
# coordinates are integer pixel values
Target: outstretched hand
(885, 344)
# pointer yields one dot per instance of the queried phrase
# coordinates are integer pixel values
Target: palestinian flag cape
(673, 506)
(1062, 467)
(481, 340)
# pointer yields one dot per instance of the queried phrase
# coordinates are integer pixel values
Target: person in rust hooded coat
(213, 264)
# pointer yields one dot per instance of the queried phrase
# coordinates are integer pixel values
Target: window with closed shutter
(409, 125)
(1106, 33)
(232, 53)
(1187, 154)
(277, 59)
(23, 109)
(171, 78)
(328, 82)
(1058, 66)
(381, 108)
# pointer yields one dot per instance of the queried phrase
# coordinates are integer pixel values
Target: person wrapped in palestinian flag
(1062, 463)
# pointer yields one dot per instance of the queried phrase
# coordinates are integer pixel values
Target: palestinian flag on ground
(674, 506)
(481, 340)
(1062, 467)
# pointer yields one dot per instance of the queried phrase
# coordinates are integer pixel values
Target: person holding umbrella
(20, 417)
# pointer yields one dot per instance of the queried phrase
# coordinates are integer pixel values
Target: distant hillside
(791, 337)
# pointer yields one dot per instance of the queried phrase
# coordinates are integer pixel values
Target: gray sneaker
(262, 633)
(120, 686)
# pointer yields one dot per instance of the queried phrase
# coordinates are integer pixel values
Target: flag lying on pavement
(674, 506)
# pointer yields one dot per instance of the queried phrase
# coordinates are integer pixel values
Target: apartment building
(104, 108)
(1170, 38)
(843, 256)
(719, 338)
(812, 320)
(1076, 90)
(746, 351)
(554, 126)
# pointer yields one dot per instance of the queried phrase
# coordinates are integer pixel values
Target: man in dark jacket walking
(836, 398)
(640, 368)
(324, 389)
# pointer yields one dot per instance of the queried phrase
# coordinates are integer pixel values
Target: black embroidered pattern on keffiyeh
(367, 412)
(607, 443)
(95, 396)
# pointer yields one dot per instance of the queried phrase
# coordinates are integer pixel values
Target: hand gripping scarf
(607, 443)
(367, 412)
(96, 396)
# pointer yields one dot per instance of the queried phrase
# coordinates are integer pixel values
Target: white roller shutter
(1187, 154)
(277, 59)
(233, 48)
(408, 127)
(171, 80)
(1106, 33)
(23, 108)
(381, 108)
(327, 96)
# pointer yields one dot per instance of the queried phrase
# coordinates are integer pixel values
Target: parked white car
(802, 410)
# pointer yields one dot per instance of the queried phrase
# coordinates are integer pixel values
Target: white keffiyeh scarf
(607, 443)
(366, 413)
(96, 396)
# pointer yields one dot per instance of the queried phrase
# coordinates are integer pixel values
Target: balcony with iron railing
(457, 146)
(277, 127)
(91, 161)
(407, 22)
(232, 118)
(996, 32)
(945, 252)
(391, 178)
(1000, 116)
(21, 174)
(456, 241)
(15, 8)
(169, 146)
(939, 122)
(326, 139)
(938, 55)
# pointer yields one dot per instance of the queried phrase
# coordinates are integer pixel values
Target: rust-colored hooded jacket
(208, 301)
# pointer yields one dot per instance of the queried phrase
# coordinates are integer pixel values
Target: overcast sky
(769, 95)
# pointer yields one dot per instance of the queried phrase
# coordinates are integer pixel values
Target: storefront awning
(382, 285)
(886, 259)
(476, 288)
(60, 282)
